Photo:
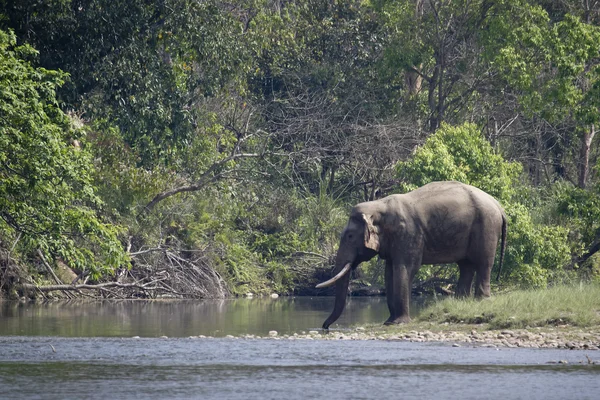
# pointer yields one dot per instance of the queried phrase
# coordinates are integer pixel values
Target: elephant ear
(371, 233)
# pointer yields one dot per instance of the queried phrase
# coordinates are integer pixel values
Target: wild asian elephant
(441, 222)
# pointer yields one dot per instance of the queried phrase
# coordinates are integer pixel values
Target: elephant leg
(482, 280)
(465, 279)
(400, 296)
(389, 289)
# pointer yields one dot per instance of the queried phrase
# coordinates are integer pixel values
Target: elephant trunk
(341, 291)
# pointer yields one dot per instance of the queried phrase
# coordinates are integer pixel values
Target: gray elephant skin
(441, 222)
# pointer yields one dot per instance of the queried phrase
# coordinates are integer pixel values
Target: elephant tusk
(330, 282)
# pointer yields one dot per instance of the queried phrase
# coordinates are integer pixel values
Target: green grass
(561, 305)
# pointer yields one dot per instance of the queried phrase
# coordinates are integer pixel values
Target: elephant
(438, 223)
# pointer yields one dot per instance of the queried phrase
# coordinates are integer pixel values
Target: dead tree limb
(207, 177)
(593, 249)
(48, 267)
(99, 286)
(309, 253)
(50, 270)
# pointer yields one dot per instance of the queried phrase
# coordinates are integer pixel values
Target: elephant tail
(502, 246)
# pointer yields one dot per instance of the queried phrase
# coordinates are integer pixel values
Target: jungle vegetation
(204, 148)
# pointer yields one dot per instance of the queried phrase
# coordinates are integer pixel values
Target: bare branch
(99, 286)
(48, 267)
(204, 180)
(309, 253)
(137, 253)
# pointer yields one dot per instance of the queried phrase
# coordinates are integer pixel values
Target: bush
(259, 240)
(47, 198)
(460, 154)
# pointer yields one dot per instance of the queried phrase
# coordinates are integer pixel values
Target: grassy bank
(561, 305)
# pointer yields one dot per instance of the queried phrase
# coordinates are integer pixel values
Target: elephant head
(360, 241)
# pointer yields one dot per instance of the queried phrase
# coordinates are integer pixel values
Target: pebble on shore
(573, 340)
(553, 338)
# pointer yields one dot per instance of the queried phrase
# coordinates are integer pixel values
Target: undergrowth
(577, 305)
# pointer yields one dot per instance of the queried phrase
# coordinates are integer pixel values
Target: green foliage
(47, 199)
(258, 238)
(240, 264)
(580, 209)
(547, 62)
(322, 97)
(123, 187)
(143, 66)
(432, 55)
(321, 221)
(462, 154)
(535, 253)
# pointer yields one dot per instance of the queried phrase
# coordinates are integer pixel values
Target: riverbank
(561, 317)
(560, 337)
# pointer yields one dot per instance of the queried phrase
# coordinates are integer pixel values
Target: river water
(92, 350)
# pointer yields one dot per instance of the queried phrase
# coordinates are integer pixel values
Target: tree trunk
(584, 156)
(433, 116)
(412, 79)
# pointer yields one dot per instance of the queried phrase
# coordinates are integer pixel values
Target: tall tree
(550, 65)
(438, 43)
(47, 199)
(145, 66)
(321, 95)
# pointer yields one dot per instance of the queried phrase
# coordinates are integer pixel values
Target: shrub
(460, 154)
(48, 201)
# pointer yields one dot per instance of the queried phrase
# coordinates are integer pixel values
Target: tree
(433, 55)
(322, 101)
(47, 200)
(462, 154)
(550, 65)
(145, 66)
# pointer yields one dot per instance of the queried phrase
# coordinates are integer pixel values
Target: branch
(99, 286)
(420, 73)
(137, 253)
(594, 248)
(15, 242)
(309, 253)
(48, 266)
(200, 183)
(507, 125)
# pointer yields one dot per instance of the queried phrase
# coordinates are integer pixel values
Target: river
(143, 350)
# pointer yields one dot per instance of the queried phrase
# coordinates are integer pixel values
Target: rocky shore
(548, 337)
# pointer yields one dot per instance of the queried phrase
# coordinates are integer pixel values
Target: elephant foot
(397, 320)
(482, 294)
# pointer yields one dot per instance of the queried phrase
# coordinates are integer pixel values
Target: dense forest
(206, 148)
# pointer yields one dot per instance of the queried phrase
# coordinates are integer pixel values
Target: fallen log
(99, 286)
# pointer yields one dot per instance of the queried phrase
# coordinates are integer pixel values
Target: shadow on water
(184, 318)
